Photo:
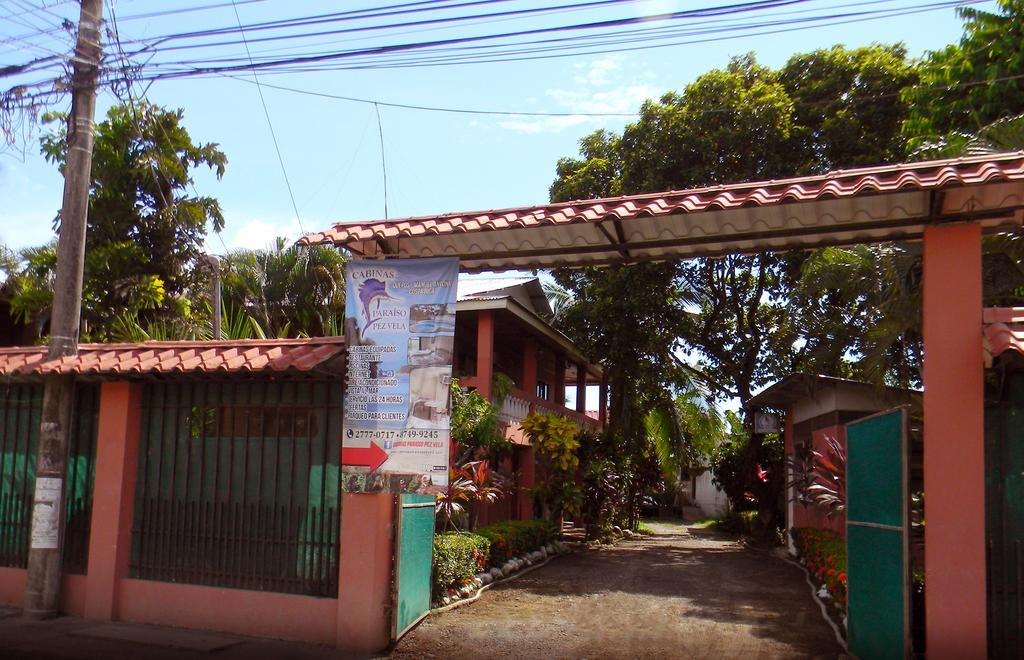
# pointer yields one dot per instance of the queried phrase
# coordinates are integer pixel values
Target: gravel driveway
(677, 594)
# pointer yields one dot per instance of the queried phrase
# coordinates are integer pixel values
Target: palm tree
(289, 290)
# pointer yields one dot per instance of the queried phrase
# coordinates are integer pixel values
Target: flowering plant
(824, 553)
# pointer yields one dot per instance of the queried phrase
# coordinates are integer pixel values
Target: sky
(436, 162)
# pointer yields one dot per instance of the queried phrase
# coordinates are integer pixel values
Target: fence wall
(20, 409)
(238, 486)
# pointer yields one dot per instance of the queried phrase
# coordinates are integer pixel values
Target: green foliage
(458, 556)
(145, 231)
(289, 290)
(973, 83)
(512, 538)
(597, 173)
(863, 300)
(749, 469)
(475, 426)
(556, 440)
(847, 106)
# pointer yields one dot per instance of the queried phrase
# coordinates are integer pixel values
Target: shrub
(515, 537)
(824, 552)
(458, 556)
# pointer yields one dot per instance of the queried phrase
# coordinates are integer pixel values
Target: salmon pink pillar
(530, 367)
(484, 353)
(954, 448)
(110, 534)
(364, 572)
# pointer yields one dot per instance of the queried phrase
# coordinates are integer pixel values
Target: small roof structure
(524, 298)
(526, 290)
(179, 357)
(796, 387)
(863, 205)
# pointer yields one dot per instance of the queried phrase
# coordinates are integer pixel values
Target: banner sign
(400, 336)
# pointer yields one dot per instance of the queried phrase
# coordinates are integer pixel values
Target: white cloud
(253, 234)
(601, 86)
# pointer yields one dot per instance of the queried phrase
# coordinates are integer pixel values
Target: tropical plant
(819, 477)
(823, 552)
(470, 486)
(145, 235)
(451, 502)
(458, 556)
(751, 474)
(556, 441)
(475, 424)
(290, 290)
(973, 83)
(485, 487)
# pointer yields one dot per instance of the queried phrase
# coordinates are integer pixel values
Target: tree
(290, 290)
(729, 315)
(145, 232)
(973, 83)
(847, 105)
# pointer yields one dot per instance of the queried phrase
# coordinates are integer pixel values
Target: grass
(644, 528)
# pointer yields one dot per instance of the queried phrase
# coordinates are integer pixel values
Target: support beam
(602, 405)
(581, 388)
(789, 445)
(110, 534)
(954, 448)
(558, 395)
(485, 352)
(530, 366)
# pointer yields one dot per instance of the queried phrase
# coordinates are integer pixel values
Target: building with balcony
(502, 326)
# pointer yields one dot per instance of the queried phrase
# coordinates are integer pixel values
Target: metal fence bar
(246, 486)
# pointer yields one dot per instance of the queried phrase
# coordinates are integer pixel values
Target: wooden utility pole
(46, 549)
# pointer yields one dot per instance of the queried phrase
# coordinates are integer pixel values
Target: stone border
(513, 568)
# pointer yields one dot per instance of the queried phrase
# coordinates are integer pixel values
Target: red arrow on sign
(372, 456)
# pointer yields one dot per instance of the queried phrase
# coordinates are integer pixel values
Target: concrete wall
(708, 497)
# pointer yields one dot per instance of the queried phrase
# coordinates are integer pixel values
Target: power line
(383, 161)
(270, 124)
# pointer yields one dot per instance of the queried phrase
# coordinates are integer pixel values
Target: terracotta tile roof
(1003, 331)
(642, 220)
(175, 357)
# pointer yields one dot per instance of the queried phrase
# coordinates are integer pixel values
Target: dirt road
(674, 595)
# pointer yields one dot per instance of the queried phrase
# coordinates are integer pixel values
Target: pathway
(678, 594)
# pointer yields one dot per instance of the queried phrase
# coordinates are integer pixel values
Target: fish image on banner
(400, 338)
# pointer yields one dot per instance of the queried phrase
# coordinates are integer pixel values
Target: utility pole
(215, 303)
(46, 549)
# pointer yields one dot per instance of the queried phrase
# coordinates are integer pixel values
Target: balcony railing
(518, 404)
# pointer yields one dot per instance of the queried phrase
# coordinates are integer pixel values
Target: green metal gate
(1004, 507)
(877, 526)
(414, 549)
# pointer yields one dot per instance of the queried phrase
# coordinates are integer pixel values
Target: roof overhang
(797, 386)
(892, 202)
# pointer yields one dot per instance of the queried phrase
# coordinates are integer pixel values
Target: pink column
(364, 572)
(110, 534)
(484, 353)
(954, 448)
